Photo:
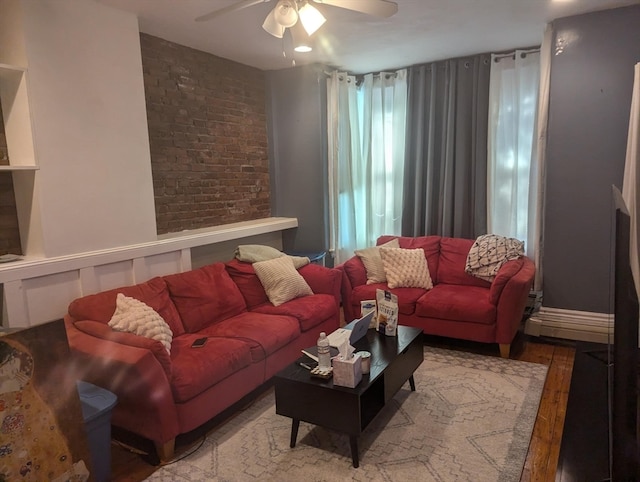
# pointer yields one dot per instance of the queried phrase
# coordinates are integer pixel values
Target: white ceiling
(421, 31)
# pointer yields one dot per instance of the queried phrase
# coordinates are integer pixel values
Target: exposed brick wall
(208, 137)
(9, 232)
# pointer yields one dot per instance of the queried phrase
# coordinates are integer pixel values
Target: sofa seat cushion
(407, 297)
(263, 334)
(245, 277)
(310, 311)
(205, 296)
(154, 293)
(452, 302)
(197, 369)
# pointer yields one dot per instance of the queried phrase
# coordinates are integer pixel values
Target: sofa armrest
(353, 274)
(513, 300)
(134, 374)
(507, 271)
(105, 332)
(323, 280)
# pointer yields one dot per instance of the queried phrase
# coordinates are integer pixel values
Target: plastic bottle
(324, 352)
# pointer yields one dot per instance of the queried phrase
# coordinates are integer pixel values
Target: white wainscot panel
(48, 297)
(108, 276)
(161, 265)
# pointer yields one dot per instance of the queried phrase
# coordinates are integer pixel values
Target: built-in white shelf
(21, 153)
(33, 267)
(18, 168)
(36, 289)
(6, 70)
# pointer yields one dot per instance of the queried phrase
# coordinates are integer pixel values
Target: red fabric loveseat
(459, 305)
(249, 340)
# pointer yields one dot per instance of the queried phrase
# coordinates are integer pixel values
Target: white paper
(338, 337)
(346, 350)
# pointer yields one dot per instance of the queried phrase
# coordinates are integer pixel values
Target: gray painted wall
(590, 98)
(296, 113)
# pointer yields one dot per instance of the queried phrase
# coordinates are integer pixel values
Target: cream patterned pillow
(372, 261)
(134, 316)
(280, 280)
(406, 268)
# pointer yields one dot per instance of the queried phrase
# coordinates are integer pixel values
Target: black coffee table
(349, 410)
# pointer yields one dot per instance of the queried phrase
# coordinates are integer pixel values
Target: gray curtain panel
(445, 189)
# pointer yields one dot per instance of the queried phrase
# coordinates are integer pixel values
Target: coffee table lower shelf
(350, 410)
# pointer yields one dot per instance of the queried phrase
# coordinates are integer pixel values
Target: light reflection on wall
(565, 39)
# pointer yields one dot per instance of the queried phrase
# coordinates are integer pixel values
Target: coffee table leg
(353, 441)
(294, 432)
(412, 383)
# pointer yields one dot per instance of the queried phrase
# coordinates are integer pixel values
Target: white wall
(94, 188)
(11, 44)
(89, 209)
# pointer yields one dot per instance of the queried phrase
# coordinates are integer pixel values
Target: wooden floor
(542, 459)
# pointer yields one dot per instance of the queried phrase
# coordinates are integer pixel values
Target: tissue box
(347, 373)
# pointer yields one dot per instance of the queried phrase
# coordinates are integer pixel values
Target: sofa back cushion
(430, 245)
(205, 296)
(154, 293)
(245, 277)
(453, 259)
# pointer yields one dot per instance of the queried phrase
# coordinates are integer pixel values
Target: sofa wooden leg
(504, 350)
(165, 450)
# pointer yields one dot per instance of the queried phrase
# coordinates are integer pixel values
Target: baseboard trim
(571, 325)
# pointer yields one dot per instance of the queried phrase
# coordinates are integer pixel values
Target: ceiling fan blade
(231, 8)
(377, 8)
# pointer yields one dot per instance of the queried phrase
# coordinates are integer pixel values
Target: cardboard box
(347, 373)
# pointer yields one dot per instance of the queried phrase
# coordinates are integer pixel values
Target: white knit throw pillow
(406, 268)
(280, 280)
(372, 261)
(134, 316)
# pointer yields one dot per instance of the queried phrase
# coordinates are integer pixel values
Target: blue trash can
(97, 404)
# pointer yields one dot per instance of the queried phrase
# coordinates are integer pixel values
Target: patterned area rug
(470, 418)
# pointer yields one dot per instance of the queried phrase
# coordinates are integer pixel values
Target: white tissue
(346, 350)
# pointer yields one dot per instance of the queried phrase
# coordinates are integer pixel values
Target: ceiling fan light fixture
(272, 26)
(300, 39)
(286, 13)
(311, 18)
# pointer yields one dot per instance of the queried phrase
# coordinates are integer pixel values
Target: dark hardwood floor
(544, 449)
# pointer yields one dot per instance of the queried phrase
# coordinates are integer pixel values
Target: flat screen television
(623, 352)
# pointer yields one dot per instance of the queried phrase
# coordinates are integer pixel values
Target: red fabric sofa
(249, 340)
(459, 305)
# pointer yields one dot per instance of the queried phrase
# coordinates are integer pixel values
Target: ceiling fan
(286, 13)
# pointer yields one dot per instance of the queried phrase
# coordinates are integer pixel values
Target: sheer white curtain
(512, 171)
(631, 182)
(367, 124)
(541, 139)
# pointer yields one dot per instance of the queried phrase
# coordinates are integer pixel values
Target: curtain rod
(512, 54)
(388, 74)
